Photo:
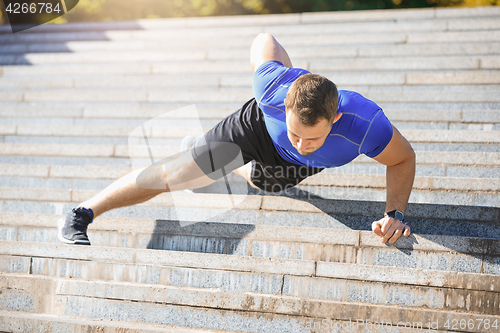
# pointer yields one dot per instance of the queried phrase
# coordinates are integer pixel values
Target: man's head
(311, 109)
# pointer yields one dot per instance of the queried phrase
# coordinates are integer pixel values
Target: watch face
(398, 215)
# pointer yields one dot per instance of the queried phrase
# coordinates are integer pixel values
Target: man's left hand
(390, 229)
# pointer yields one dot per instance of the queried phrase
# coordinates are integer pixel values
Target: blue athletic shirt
(362, 129)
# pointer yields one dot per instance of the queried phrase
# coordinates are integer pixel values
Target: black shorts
(240, 138)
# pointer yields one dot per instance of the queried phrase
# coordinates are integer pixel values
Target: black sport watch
(397, 214)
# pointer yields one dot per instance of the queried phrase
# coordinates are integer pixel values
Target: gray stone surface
(75, 69)
(31, 182)
(179, 316)
(452, 36)
(487, 199)
(395, 64)
(36, 207)
(19, 294)
(473, 172)
(485, 77)
(408, 276)
(484, 116)
(412, 259)
(35, 83)
(475, 127)
(42, 160)
(20, 322)
(396, 294)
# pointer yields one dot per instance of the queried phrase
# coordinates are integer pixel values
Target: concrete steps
(19, 322)
(371, 77)
(303, 260)
(248, 224)
(270, 275)
(202, 295)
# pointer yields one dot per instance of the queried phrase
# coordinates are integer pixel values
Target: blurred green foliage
(103, 10)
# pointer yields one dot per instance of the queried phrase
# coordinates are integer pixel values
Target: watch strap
(397, 214)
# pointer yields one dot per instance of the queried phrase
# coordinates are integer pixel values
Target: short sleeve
(264, 77)
(378, 135)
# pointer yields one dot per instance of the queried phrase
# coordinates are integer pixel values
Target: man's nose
(301, 144)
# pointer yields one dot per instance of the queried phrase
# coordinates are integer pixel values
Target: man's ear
(337, 117)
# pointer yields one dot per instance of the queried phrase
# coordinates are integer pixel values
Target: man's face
(306, 139)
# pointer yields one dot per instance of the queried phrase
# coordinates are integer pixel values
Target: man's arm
(400, 160)
(266, 48)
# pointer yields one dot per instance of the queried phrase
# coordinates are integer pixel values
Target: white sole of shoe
(60, 225)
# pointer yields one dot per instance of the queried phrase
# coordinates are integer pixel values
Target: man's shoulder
(271, 82)
(275, 72)
(353, 103)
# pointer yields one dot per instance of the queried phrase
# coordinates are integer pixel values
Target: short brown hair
(312, 97)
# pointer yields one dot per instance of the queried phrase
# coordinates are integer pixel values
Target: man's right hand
(390, 229)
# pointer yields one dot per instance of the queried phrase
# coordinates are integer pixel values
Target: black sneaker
(72, 229)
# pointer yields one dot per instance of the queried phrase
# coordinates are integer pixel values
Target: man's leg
(133, 188)
(143, 184)
(246, 172)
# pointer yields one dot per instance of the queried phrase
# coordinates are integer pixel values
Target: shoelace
(82, 217)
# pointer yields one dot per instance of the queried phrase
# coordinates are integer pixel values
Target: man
(297, 124)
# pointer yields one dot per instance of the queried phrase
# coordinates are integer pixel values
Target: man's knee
(184, 173)
(152, 178)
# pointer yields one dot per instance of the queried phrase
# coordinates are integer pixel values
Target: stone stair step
(457, 178)
(393, 94)
(436, 94)
(373, 51)
(488, 199)
(99, 57)
(133, 95)
(193, 122)
(454, 78)
(204, 299)
(400, 64)
(69, 161)
(22, 322)
(116, 81)
(205, 81)
(428, 63)
(189, 235)
(362, 164)
(106, 131)
(432, 50)
(405, 17)
(241, 53)
(457, 147)
(219, 111)
(162, 132)
(339, 210)
(76, 69)
(452, 116)
(218, 39)
(112, 110)
(173, 267)
(437, 26)
(432, 190)
(385, 16)
(396, 14)
(210, 298)
(451, 136)
(88, 85)
(166, 121)
(265, 313)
